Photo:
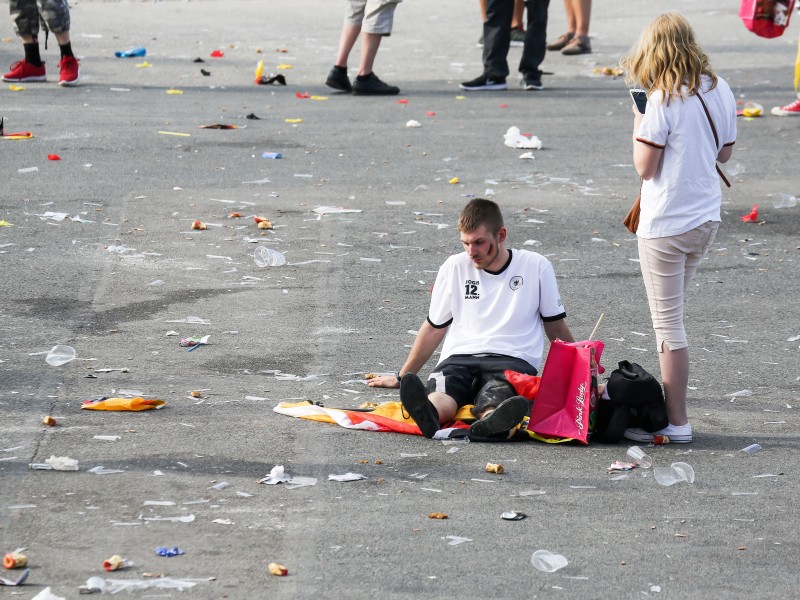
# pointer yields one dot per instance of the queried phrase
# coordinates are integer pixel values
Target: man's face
(482, 246)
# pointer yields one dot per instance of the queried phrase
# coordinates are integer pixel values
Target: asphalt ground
(355, 289)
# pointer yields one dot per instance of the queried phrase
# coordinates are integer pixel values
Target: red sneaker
(790, 110)
(23, 71)
(70, 72)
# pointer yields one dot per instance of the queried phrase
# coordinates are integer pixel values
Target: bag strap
(716, 137)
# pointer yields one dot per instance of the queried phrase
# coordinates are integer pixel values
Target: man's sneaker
(517, 36)
(484, 82)
(577, 45)
(414, 398)
(70, 71)
(338, 80)
(505, 417)
(529, 82)
(24, 71)
(677, 434)
(370, 85)
(562, 41)
(790, 110)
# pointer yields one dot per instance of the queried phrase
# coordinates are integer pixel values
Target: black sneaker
(338, 80)
(485, 82)
(530, 82)
(502, 419)
(415, 400)
(372, 86)
(517, 36)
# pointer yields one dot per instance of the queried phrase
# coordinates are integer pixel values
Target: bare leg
(370, 42)
(675, 375)
(28, 39)
(445, 406)
(570, 15)
(582, 12)
(62, 38)
(346, 43)
(483, 11)
(519, 10)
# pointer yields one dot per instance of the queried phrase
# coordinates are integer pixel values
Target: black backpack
(636, 400)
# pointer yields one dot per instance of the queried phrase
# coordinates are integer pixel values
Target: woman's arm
(645, 157)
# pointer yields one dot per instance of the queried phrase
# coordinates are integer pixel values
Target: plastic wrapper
(130, 404)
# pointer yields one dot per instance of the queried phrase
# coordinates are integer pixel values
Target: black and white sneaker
(531, 83)
(338, 79)
(505, 417)
(370, 85)
(414, 398)
(485, 82)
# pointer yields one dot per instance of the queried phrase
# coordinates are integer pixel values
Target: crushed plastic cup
(751, 449)
(785, 201)
(547, 561)
(267, 257)
(638, 455)
(60, 355)
(677, 472)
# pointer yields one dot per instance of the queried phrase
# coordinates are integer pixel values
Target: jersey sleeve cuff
(729, 143)
(563, 315)
(442, 326)
(649, 143)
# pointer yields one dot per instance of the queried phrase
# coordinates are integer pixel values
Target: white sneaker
(676, 434)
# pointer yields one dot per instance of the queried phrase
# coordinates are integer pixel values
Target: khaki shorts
(668, 265)
(374, 16)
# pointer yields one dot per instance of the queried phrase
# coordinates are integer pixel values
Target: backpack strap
(716, 137)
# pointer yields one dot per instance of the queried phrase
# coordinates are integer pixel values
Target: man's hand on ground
(386, 381)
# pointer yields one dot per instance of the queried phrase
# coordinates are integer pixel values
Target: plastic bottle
(131, 52)
(267, 257)
(60, 355)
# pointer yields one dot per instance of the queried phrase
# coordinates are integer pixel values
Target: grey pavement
(355, 290)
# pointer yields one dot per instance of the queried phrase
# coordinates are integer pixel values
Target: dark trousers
(497, 37)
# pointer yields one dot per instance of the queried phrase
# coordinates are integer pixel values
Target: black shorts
(461, 376)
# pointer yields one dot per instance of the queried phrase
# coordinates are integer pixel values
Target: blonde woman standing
(675, 153)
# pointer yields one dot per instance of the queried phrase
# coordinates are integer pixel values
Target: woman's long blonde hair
(667, 57)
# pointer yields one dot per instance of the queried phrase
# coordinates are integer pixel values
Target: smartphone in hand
(640, 99)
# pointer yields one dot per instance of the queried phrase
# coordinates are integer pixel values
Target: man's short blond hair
(480, 211)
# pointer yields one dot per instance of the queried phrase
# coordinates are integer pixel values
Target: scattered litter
(277, 569)
(547, 561)
(278, 475)
(136, 52)
(437, 515)
(750, 110)
(47, 594)
(495, 468)
(143, 65)
(531, 493)
(347, 477)
(272, 155)
(115, 586)
(167, 552)
(116, 562)
(180, 519)
(413, 123)
(752, 216)
(407, 455)
(158, 503)
(267, 257)
(744, 493)
(193, 341)
(62, 463)
(608, 71)
(751, 449)
(18, 581)
(223, 522)
(217, 54)
(100, 470)
(174, 92)
(456, 540)
(677, 472)
(60, 355)
(177, 133)
(15, 559)
(514, 139)
(199, 226)
(527, 156)
(115, 404)
(108, 438)
(220, 486)
(618, 466)
(53, 157)
(785, 201)
(513, 516)
(740, 394)
(638, 455)
(48, 421)
(453, 181)
(334, 210)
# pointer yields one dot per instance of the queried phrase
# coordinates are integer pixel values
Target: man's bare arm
(558, 329)
(427, 340)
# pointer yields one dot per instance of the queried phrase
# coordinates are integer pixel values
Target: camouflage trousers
(26, 15)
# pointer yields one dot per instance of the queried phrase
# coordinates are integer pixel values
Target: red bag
(766, 18)
(568, 390)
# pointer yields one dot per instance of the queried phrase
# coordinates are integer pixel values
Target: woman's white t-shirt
(685, 191)
(496, 313)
